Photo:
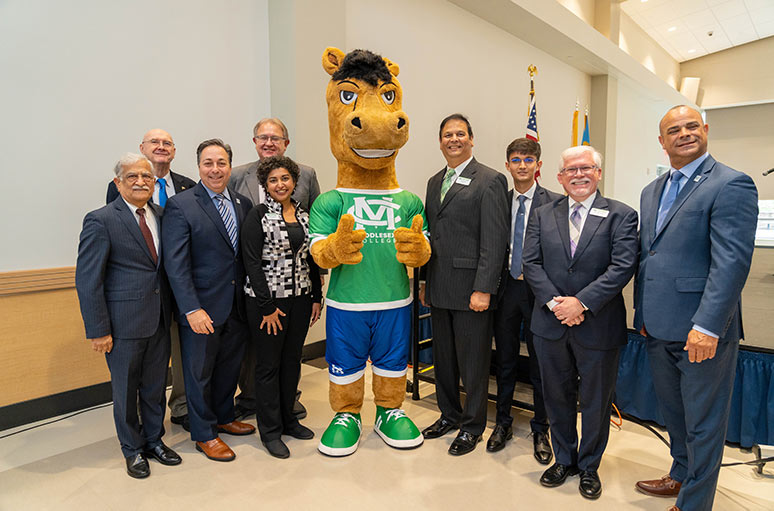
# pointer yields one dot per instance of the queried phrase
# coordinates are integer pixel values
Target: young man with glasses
(579, 253)
(514, 308)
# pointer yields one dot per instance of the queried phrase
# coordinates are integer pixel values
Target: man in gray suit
(579, 253)
(270, 137)
(697, 237)
(127, 308)
(467, 213)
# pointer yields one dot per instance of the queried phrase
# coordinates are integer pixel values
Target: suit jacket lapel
(209, 208)
(561, 215)
(698, 177)
(469, 172)
(650, 211)
(177, 182)
(589, 227)
(238, 210)
(127, 217)
(159, 212)
(251, 179)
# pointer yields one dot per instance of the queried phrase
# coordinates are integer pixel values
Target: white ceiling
(682, 27)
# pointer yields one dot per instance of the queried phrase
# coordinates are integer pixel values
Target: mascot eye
(388, 96)
(347, 96)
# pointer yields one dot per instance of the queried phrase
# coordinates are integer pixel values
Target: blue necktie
(228, 219)
(518, 237)
(669, 198)
(162, 191)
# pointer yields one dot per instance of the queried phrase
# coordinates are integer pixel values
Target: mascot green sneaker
(342, 436)
(396, 429)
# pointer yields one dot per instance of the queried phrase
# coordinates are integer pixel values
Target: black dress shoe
(299, 431)
(181, 420)
(277, 448)
(164, 455)
(499, 437)
(464, 443)
(556, 474)
(137, 466)
(542, 448)
(438, 429)
(590, 485)
(299, 411)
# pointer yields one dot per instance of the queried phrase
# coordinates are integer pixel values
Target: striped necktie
(228, 219)
(575, 228)
(448, 179)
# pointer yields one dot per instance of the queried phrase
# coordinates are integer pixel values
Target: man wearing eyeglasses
(270, 137)
(579, 253)
(514, 307)
(159, 148)
(127, 308)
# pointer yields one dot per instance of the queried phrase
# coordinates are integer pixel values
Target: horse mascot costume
(367, 231)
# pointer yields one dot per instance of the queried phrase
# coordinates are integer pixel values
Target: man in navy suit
(697, 237)
(202, 252)
(514, 306)
(126, 309)
(579, 253)
(157, 145)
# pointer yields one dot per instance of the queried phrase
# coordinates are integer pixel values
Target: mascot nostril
(367, 230)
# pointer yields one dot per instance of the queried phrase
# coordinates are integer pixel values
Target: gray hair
(578, 150)
(271, 120)
(127, 160)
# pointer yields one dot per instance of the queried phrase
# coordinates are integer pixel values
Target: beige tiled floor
(76, 464)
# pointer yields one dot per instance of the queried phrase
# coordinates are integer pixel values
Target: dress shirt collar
(133, 209)
(688, 170)
(586, 203)
(460, 168)
(529, 193)
(213, 194)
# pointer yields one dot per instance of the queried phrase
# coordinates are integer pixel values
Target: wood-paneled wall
(42, 342)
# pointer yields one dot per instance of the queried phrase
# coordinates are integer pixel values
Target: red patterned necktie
(147, 235)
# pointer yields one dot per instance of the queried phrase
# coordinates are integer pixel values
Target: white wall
(453, 61)
(84, 79)
(639, 45)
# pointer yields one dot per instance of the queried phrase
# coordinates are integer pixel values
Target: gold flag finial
(532, 70)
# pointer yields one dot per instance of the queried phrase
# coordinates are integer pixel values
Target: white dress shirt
(150, 219)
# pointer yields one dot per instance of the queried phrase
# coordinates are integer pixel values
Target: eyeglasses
(586, 169)
(265, 138)
(132, 177)
(155, 141)
(527, 160)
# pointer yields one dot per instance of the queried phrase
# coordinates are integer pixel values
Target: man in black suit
(204, 262)
(514, 306)
(157, 145)
(579, 253)
(126, 309)
(467, 212)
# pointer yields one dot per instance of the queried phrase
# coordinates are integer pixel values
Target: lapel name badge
(464, 181)
(599, 212)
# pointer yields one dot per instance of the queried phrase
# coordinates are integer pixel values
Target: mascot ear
(332, 59)
(392, 66)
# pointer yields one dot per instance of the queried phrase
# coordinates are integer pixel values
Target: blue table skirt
(752, 405)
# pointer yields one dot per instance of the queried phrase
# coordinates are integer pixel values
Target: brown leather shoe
(216, 450)
(236, 428)
(664, 487)
(673, 508)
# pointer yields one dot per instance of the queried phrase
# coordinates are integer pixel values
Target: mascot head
(367, 124)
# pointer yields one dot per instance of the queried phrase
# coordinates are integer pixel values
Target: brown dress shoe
(236, 428)
(664, 487)
(673, 508)
(216, 450)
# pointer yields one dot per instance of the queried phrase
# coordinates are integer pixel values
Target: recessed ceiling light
(671, 29)
(691, 51)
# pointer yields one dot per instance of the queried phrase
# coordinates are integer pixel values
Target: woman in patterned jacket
(283, 300)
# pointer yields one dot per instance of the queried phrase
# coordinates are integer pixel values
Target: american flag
(532, 129)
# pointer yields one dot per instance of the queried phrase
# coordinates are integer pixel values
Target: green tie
(447, 182)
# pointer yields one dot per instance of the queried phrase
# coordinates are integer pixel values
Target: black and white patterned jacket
(272, 269)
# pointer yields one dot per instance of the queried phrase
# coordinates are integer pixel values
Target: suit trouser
(514, 309)
(138, 376)
(246, 396)
(695, 400)
(571, 374)
(462, 347)
(177, 403)
(279, 365)
(211, 368)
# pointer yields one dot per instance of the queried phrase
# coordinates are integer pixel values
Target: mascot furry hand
(368, 230)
